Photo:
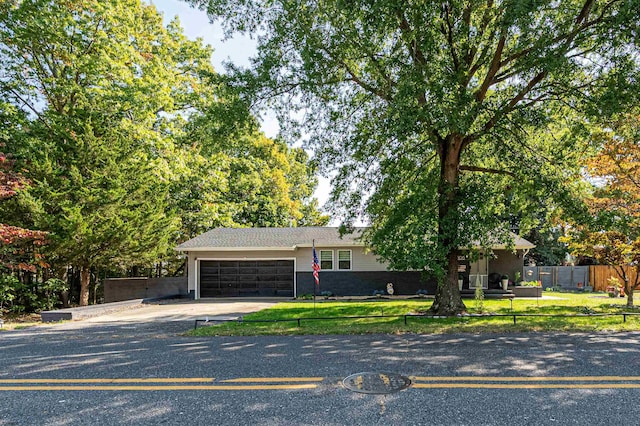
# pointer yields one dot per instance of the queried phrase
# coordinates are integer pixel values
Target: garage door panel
(267, 278)
(246, 278)
(247, 286)
(247, 270)
(283, 286)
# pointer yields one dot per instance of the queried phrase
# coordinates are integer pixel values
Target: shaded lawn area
(555, 303)
(18, 321)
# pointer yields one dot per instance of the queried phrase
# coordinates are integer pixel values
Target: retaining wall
(119, 289)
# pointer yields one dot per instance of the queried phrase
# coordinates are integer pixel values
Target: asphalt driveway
(187, 310)
(173, 314)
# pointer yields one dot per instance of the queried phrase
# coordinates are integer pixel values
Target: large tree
(239, 177)
(133, 142)
(423, 107)
(98, 79)
(611, 234)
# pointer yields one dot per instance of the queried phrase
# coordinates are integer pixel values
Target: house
(227, 262)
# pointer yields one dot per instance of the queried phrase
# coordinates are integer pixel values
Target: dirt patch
(14, 321)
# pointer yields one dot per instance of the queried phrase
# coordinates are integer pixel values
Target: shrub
(479, 297)
(614, 287)
(8, 285)
(306, 296)
(17, 296)
(326, 294)
(51, 288)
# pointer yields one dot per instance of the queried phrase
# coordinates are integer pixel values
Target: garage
(231, 278)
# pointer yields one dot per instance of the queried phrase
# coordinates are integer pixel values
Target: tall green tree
(253, 180)
(422, 106)
(132, 141)
(98, 78)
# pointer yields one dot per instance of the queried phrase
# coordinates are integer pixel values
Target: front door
(479, 272)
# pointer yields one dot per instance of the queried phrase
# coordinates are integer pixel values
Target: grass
(19, 321)
(560, 303)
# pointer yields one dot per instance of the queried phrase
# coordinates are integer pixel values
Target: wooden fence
(600, 274)
(575, 277)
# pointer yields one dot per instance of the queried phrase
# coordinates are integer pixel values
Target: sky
(237, 50)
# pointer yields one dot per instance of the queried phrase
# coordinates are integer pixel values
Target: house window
(344, 259)
(326, 259)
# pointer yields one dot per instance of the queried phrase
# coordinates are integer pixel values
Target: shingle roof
(263, 238)
(519, 243)
(286, 239)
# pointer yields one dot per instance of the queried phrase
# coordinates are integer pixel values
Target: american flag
(316, 265)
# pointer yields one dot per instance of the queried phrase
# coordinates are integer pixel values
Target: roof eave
(345, 244)
(518, 247)
(186, 249)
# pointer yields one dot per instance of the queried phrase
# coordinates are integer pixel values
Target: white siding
(191, 272)
(360, 261)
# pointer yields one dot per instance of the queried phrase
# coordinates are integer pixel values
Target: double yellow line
(298, 383)
(538, 382)
(160, 384)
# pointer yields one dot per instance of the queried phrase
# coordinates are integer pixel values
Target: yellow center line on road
(526, 386)
(160, 388)
(297, 383)
(158, 384)
(273, 379)
(127, 380)
(525, 379)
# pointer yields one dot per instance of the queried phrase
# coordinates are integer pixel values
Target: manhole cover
(377, 383)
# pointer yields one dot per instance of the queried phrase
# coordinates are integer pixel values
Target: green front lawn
(554, 303)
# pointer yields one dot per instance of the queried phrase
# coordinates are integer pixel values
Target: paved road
(128, 373)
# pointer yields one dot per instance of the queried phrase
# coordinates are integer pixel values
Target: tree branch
(493, 68)
(412, 44)
(532, 83)
(28, 105)
(354, 78)
(582, 23)
(449, 34)
(486, 170)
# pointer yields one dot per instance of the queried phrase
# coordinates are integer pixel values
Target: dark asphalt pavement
(503, 388)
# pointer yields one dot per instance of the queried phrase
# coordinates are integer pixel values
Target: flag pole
(313, 244)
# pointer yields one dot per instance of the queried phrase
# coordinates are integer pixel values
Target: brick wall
(345, 283)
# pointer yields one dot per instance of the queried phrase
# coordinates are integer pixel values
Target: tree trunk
(63, 274)
(629, 287)
(448, 300)
(85, 276)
